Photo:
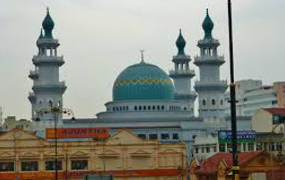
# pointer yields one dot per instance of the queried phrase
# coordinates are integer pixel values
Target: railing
(185, 71)
(221, 82)
(207, 58)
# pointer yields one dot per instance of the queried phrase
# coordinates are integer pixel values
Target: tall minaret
(182, 75)
(210, 88)
(47, 89)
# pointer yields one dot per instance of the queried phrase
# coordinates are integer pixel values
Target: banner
(74, 133)
(225, 136)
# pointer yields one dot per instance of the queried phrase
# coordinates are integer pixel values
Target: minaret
(182, 75)
(210, 88)
(47, 89)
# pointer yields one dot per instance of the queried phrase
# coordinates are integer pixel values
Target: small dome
(180, 44)
(48, 25)
(208, 26)
(143, 81)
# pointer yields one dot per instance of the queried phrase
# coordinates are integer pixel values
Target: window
(153, 107)
(143, 136)
(279, 146)
(158, 107)
(221, 102)
(162, 107)
(136, 108)
(274, 102)
(140, 108)
(203, 149)
(175, 136)
(153, 136)
(215, 149)
(259, 146)
(6, 166)
(50, 165)
(204, 102)
(244, 147)
(250, 146)
(29, 166)
(265, 146)
(229, 147)
(144, 107)
(79, 164)
(272, 147)
(213, 102)
(197, 150)
(149, 107)
(222, 148)
(207, 149)
(164, 136)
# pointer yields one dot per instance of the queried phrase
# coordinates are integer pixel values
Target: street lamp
(55, 110)
(235, 168)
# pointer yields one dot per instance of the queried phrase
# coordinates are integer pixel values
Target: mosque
(147, 100)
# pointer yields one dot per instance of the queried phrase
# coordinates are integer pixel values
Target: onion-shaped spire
(48, 25)
(208, 26)
(180, 44)
(40, 37)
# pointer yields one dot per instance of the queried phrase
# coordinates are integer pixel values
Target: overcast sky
(99, 38)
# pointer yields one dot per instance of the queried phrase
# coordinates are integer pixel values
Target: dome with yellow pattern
(143, 81)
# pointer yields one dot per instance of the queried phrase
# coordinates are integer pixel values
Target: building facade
(252, 95)
(26, 156)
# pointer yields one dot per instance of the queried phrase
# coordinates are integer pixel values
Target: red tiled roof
(276, 111)
(209, 166)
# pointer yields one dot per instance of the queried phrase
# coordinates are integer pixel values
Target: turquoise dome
(143, 81)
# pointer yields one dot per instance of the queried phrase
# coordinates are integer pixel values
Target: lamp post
(55, 110)
(235, 168)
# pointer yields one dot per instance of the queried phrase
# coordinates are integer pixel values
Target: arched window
(136, 108)
(204, 102)
(162, 107)
(144, 107)
(221, 102)
(140, 108)
(158, 107)
(149, 107)
(213, 102)
(153, 107)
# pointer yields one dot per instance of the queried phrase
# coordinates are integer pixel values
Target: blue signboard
(225, 136)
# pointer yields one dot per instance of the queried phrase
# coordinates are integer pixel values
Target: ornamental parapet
(184, 72)
(60, 86)
(48, 42)
(215, 60)
(208, 42)
(55, 60)
(220, 85)
(181, 58)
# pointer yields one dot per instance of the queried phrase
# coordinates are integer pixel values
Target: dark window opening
(79, 164)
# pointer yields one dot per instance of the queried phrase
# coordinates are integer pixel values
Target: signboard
(225, 136)
(74, 133)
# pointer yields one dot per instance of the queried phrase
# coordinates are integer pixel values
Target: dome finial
(142, 56)
(180, 43)
(48, 25)
(208, 26)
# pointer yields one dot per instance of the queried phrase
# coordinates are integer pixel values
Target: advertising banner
(74, 133)
(225, 136)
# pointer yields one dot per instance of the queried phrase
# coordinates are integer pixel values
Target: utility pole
(235, 167)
